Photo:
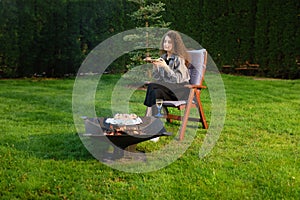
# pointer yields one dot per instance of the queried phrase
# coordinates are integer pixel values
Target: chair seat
(174, 103)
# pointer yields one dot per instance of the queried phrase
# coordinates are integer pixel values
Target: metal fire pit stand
(124, 140)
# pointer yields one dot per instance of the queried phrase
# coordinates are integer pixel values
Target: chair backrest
(198, 66)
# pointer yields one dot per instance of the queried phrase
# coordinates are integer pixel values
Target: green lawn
(256, 156)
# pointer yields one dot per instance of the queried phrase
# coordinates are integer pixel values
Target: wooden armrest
(195, 86)
(146, 83)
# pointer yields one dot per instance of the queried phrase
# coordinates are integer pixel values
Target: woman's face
(168, 45)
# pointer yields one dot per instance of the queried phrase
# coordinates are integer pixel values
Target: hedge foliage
(55, 36)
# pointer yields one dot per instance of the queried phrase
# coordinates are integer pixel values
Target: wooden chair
(197, 72)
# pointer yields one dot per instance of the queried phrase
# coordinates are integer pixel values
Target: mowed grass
(256, 156)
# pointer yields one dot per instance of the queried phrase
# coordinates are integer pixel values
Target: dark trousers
(165, 91)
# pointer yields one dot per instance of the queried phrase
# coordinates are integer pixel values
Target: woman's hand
(160, 63)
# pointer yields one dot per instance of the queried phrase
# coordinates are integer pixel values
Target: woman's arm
(177, 72)
(155, 72)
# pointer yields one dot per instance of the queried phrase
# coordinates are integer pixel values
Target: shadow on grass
(54, 146)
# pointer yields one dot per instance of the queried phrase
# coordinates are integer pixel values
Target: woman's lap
(165, 91)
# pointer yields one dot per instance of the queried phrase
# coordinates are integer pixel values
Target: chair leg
(201, 111)
(186, 115)
(203, 119)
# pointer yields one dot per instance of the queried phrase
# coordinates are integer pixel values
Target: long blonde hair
(178, 49)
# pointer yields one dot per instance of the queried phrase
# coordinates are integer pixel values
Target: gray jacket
(177, 72)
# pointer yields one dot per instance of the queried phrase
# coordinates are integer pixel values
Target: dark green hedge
(55, 36)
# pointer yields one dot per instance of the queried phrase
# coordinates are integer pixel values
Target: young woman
(170, 72)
